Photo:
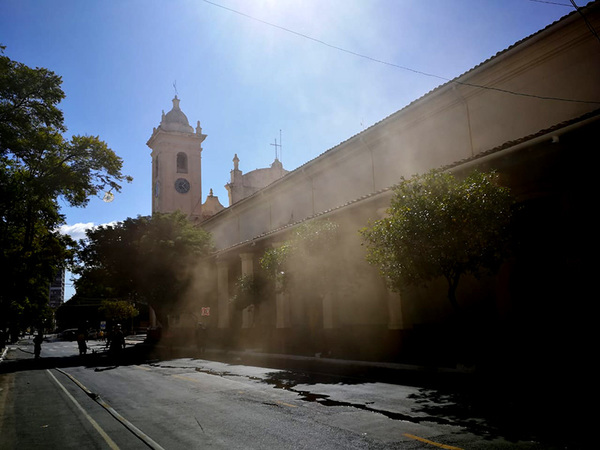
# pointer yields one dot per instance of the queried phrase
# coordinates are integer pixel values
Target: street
(64, 400)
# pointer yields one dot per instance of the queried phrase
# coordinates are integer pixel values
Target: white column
(152, 317)
(247, 264)
(223, 294)
(394, 302)
(282, 302)
(282, 307)
(328, 311)
(247, 270)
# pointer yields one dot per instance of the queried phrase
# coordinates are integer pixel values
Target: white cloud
(77, 231)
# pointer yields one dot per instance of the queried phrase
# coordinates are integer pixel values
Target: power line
(589, 25)
(409, 69)
(552, 3)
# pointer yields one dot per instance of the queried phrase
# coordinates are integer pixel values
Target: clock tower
(176, 165)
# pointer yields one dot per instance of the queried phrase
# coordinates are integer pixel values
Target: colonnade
(283, 309)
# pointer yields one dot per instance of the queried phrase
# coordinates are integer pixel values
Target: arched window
(182, 163)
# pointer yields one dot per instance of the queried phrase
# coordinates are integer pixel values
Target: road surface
(66, 401)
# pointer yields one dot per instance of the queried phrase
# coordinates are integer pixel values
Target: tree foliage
(39, 167)
(442, 226)
(248, 291)
(118, 310)
(148, 259)
(303, 255)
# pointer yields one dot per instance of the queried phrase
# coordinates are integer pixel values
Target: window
(182, 164)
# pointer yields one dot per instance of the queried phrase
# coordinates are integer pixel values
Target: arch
(182, 163)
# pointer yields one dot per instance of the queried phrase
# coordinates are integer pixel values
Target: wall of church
(455, 122)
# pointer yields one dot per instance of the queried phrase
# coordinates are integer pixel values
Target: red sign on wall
(206, 311)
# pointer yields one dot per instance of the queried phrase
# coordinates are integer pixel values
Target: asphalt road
(66, 401)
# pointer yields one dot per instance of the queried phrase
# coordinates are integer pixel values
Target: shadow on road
(517, 407)
(137, 354)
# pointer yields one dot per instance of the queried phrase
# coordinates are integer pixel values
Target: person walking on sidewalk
(81, 338)
(116, 343)
(200, 337)
(37, 344)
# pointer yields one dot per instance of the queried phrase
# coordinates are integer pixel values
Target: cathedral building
(530, 112)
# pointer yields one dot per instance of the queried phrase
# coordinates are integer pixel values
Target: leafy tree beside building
(440, 225)
(39, 167)
(304, 256)
(151, 260)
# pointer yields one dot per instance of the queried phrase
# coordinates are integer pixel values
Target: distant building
(57, 290)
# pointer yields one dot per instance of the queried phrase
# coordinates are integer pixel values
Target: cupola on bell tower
(176, 164)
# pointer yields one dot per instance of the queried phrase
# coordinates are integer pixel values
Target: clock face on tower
(182, 185)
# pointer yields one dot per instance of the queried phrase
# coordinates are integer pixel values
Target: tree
(148, 259)
(39, 167)
(304, 256)
(118, 310)
(248, 291)
(442, 226)
(273, 262)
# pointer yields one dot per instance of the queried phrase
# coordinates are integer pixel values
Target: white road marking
(98, 428)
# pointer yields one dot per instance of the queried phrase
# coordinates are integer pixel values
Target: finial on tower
(278, 147)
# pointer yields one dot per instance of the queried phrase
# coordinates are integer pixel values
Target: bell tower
(176, 164)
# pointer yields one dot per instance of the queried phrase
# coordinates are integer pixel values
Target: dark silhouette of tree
(39, 167)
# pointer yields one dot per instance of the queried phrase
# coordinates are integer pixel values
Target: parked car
(68, 335)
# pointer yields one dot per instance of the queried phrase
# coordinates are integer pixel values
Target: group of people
(115, 342)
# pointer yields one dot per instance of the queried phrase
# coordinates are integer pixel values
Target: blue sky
(247, 69)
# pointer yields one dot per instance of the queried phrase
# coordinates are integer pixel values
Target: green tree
(39, 167)
(441, 226)
(305, 256)
(273, 262)
(152, 260)
(248, 291)
(118, 310)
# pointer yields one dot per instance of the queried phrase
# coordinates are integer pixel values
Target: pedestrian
(117, 343)
(37, 344)
(201, 337)
(81, 338)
